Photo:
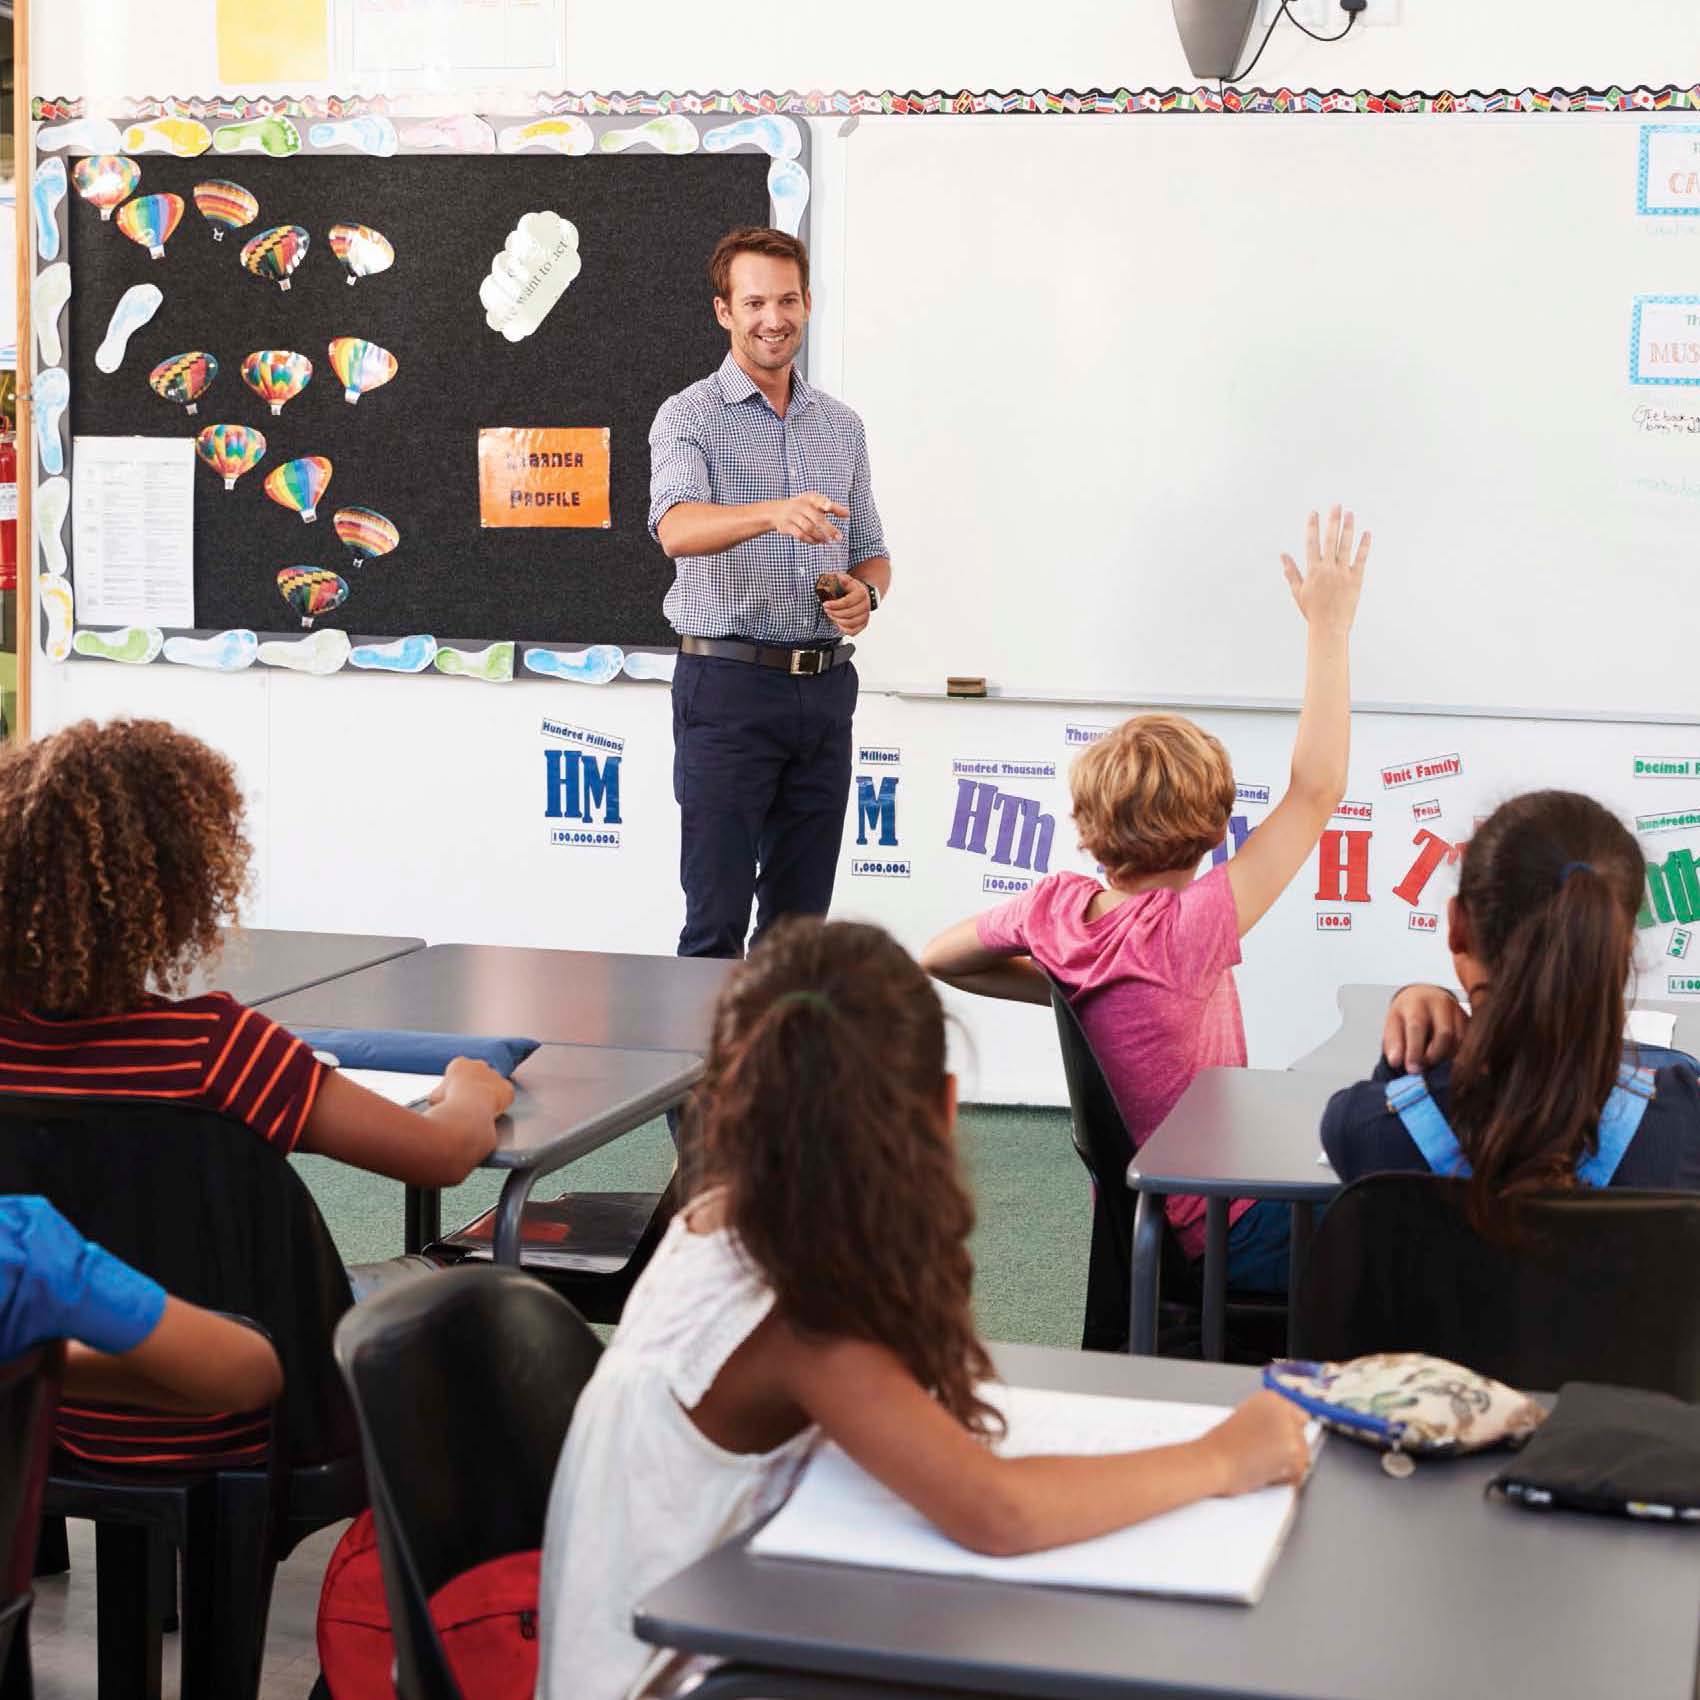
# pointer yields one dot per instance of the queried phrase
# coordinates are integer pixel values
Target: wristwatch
(873, 599)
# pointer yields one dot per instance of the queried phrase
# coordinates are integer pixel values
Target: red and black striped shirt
(210, 1052)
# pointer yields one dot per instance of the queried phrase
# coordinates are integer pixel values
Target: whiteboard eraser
(958, 685)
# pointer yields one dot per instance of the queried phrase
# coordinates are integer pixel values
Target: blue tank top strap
(1619, 1121)
(1408, 1098)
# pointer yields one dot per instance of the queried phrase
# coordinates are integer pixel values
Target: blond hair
(1152, 796)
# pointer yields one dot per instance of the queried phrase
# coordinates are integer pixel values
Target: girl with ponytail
(818, 1283)
(1542, 1093)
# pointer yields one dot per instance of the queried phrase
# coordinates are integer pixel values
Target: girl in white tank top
(819, 1283)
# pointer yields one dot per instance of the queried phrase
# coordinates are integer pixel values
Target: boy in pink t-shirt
(1146, 960)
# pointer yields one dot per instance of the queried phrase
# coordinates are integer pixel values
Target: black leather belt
(800, 663)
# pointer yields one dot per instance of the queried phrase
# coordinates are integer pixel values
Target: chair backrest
(1101, 1139)
(29, 1390)
(217, 1217)
(464, 1383)
(1600, 1286)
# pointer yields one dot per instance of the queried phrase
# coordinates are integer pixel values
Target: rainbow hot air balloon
(183, 378)
(105, 179)
(225, 205)
(312, 591)
(275, 253)
(231, 450)
(360, 366)
(367, 533)
(277, 375)
(298, 485)
(149, 221)
(365, 251)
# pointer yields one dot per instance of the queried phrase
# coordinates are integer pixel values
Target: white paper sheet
(405, 1089)
(1219, 1549)
(134, 531)
(1650, 1027)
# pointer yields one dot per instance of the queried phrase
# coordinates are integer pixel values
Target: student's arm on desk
(958, 958)
(439, 1146)
(866, 1400)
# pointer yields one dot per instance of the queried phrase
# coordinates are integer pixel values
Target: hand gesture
(850, 611)
(1327, 591)
(1425, 1026)
(808, 517)
(1262, 1442)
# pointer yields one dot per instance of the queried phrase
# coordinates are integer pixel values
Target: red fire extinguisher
(8, 512)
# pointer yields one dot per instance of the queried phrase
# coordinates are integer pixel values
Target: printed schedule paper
(134, 531)
(1218, 1549)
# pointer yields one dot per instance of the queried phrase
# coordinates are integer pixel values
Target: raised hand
(1326, 592)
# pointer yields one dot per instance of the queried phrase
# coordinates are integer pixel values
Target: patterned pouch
(1408, 1405)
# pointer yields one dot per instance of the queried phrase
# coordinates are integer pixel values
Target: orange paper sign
(535, 477)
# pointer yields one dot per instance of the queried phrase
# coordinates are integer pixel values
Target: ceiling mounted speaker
(1213, 33)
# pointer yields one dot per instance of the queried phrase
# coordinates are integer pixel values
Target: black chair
(499, 1361)
(1600, 1285)
(29, 1391)
(1104, 1146)
(219, 1219)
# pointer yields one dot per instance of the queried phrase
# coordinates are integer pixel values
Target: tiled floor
(62, 1629)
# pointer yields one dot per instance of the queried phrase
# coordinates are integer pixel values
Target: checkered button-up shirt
(720, 441)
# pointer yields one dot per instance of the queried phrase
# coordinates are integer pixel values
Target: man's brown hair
(754, 239)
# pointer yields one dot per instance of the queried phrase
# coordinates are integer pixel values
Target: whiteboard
(1108, 365)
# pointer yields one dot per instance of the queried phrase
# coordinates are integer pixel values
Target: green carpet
(1035, 1209)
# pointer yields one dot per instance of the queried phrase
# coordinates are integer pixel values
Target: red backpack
(486, 1620)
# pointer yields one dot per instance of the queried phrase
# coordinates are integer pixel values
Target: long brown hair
(1550, 887)
(121, 851)
(822, 1115)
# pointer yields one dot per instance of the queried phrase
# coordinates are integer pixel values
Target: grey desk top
(1351, 1053)
(1386, 1590)
(561, 997)
(264, 962)
(569, 1100)
(1241, 1133)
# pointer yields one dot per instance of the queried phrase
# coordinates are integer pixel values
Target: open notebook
(1218, 1549)
(405, 1089)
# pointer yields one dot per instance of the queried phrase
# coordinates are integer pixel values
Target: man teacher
(759, 492)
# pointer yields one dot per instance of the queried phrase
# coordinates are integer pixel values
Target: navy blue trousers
(761, 771)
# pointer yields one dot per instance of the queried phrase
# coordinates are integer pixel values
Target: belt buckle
(813, 656)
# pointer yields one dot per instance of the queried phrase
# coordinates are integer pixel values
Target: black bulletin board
(635, 326)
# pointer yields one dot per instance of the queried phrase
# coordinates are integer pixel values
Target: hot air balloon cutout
(277, 375)
(360, 366)
(298, 485)
(225, 205)
(364, 251)
(275, 253)
(367, 533)
(183, 378)
(105, 179)
(312, 591)
(231, 450)
(149, 221)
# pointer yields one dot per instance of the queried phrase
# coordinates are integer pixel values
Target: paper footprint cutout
(651, 663)
(403, 655)
(325, 651)
(45, 196)
(776, 135)
(185, 137)
(369, 134)
(224, 652)
(571, 136)
(494, 663)
(593, 666)
(47, 301)
(50, 393)
(58, 607)
(465, 132)
(135, 307)
(52, 503)
(86, 135)
(668, 134)
(136, 646)
(274, 136)
(788, 190)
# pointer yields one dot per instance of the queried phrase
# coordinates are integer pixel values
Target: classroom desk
(569, 1100)
(265, 962)
(561, 997)
(1351, 1053)
(1386, 1590)
(1234, 1133)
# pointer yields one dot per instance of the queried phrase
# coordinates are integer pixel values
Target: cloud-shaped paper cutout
(537, 262)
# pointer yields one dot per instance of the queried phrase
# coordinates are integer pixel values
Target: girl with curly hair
(818, 1283)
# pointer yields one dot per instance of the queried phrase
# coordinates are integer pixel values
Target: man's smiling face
(765, 312)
